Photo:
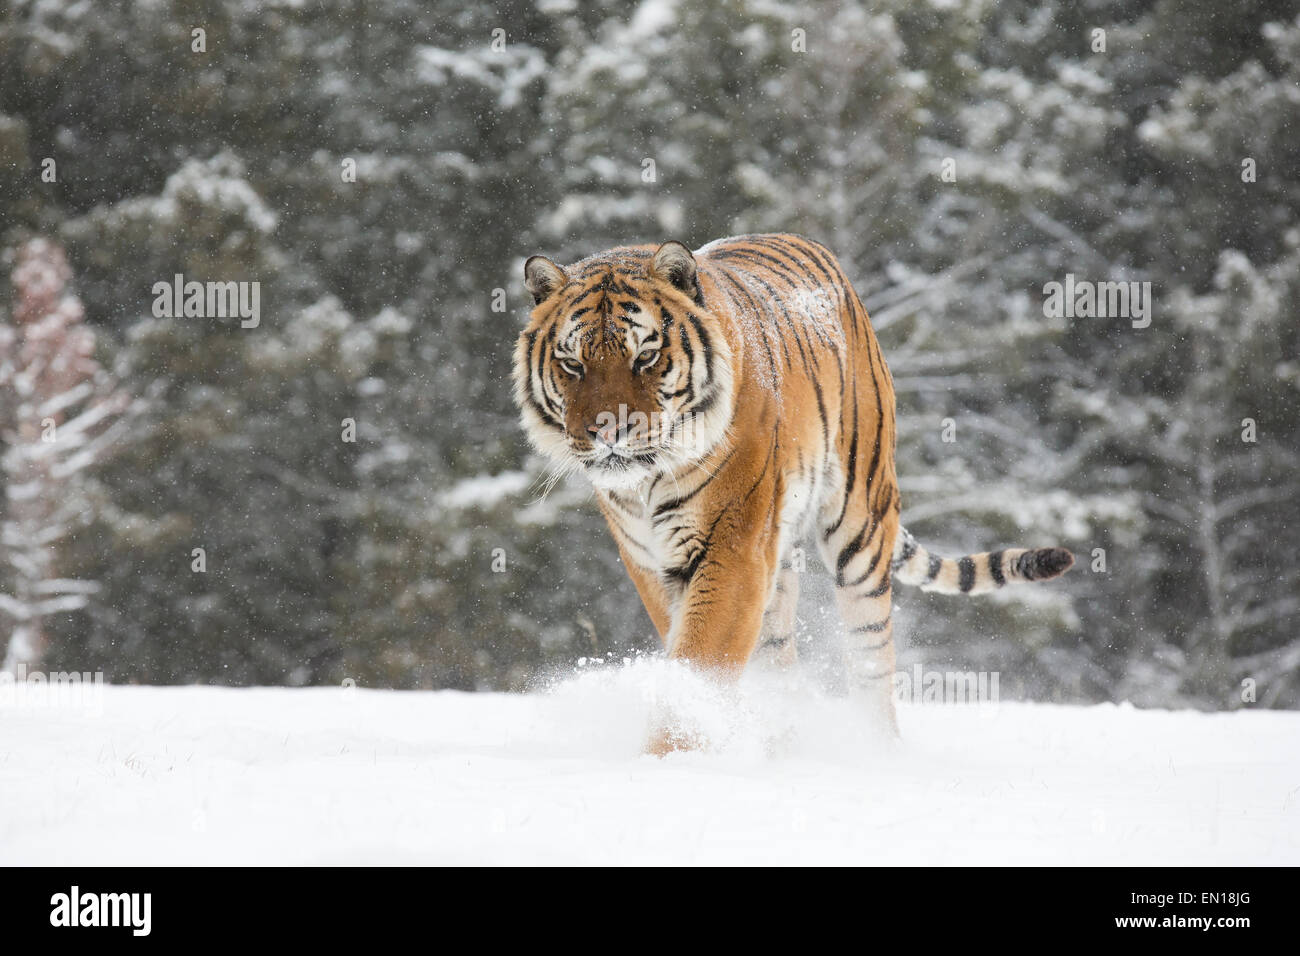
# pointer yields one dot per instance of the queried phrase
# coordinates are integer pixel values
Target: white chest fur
(652, 532)
(664, 535)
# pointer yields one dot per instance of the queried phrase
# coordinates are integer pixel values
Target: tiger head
(622, 370)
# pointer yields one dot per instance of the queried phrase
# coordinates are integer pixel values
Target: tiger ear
(675, 264)
(543, 277)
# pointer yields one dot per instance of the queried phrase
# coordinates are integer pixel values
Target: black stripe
(776, 302)
(821, 413)
(851, 478)
(849, 552)
(875, 557)
(703, 404)
(684, 341)
(876, 592)
(784, 271)
(875, 647)
(674, 503)
(537, 372)
(1025, 565)
(995, 568)
(812, 250)
(936, 565)
(683, 574)
(966, 574)
(755, 308)
(876, 460)
(706, 346)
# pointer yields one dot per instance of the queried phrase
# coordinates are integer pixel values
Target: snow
(485, 491)
(507, 70)
(200, 775)
(651, 17)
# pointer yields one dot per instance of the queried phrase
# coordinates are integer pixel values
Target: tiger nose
(609, 434)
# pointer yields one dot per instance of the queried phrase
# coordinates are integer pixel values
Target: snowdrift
(197, 775)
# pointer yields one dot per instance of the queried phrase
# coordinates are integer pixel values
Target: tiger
(727, 404)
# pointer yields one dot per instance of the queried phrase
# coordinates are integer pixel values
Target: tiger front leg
(716, 629)
(653, 596)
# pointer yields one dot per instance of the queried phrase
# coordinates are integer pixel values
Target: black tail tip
(1045, 563)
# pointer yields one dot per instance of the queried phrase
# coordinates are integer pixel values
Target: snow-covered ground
(206, 775)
